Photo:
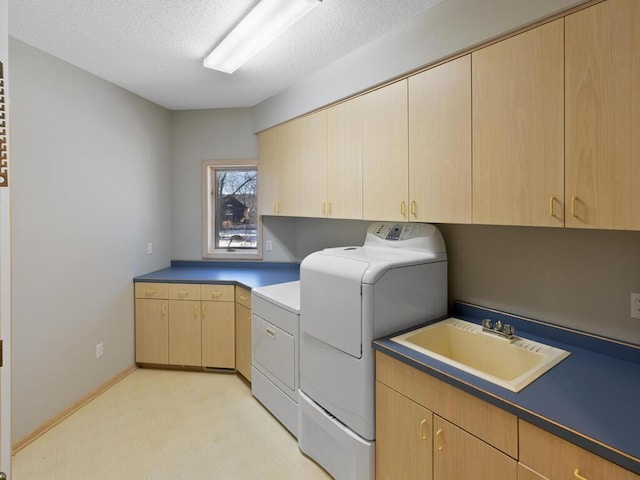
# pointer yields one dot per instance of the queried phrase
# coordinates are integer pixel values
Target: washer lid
(285, 295)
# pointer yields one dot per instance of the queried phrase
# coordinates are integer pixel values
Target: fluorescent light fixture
(266, 21)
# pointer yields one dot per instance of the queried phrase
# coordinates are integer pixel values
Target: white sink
(512, 364)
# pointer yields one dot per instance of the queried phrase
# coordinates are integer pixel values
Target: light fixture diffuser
(267, 20)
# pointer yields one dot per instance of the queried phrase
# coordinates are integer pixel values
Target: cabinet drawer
(184, 291)
(273, 349)
(487, 422)
(151, 290)
(217, 293)
(243, 297)
(553, 457)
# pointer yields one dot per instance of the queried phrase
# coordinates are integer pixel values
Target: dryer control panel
(398, 231)
(411, 236)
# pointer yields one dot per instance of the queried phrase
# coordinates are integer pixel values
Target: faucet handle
(508, 330)
(486, 323)
(498, 326)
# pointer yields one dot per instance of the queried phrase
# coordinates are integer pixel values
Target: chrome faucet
(504, 330)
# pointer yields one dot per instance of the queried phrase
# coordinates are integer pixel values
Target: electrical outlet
(99, 350)
(149, 248)
(635, 305)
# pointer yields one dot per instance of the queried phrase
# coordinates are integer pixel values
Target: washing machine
(348, 297)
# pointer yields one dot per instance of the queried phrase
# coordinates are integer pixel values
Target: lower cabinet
(152, 322)
(185, 324)
(428, 429)
(549, 456)
(404, 437)
(243, 332)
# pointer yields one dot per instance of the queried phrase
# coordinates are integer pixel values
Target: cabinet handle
(551, 202)
(423, 435)
(249, 319)
(438, 443)
(329, 209)
(196, 310)
(576, 473)
(215, 294)
(163, 309)
(324, 210)
(270, 332)
(149, 291)
(204, 310)
(242, 297)
(573, 207)
(273, 207)
(412, 208)
(403, 208)
(183, 293)
(278, 207)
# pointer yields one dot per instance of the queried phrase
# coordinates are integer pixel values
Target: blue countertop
(246, 274)
(589, 399)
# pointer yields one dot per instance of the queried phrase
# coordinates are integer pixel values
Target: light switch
(149, 248)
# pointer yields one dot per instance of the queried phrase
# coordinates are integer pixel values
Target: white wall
(449, 27)
(91, 169)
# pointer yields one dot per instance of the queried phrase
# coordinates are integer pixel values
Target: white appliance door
(331, 300)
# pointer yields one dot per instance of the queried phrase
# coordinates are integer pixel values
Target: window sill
(237, 255)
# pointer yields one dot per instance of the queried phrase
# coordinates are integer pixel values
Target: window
(231, 225)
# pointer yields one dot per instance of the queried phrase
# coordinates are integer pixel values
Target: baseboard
(52, 422)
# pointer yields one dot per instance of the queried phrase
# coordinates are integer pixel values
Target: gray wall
(198, 135)
(90, 187)
(571, 277)
(449, 27)
(5, 271)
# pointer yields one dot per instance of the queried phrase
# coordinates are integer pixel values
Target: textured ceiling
(155, 48)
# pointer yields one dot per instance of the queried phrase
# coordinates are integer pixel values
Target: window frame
(208, 213)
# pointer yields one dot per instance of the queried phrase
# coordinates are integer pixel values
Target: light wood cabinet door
(268, 173)
(385, 155)
(440, 143)
(553, 457)
(313, 165)
(344, 160)
(279, 169)
(185, 333)
(243, 341)
(404, 437)
(218, 335)
(152, 331)
(518, 129)
(458, 454)
(287, 151)
(603, 116)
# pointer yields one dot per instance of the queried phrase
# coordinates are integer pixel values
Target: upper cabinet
(385, 155)
(344, 143)
(331, 162)
(538, 129)
(518, 129)
(440, 143)
(279, 170)
(313, 165)
(603, 116)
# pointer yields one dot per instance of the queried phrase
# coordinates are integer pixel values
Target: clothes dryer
(348, 297)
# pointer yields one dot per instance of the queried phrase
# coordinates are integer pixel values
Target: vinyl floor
(164, 424)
